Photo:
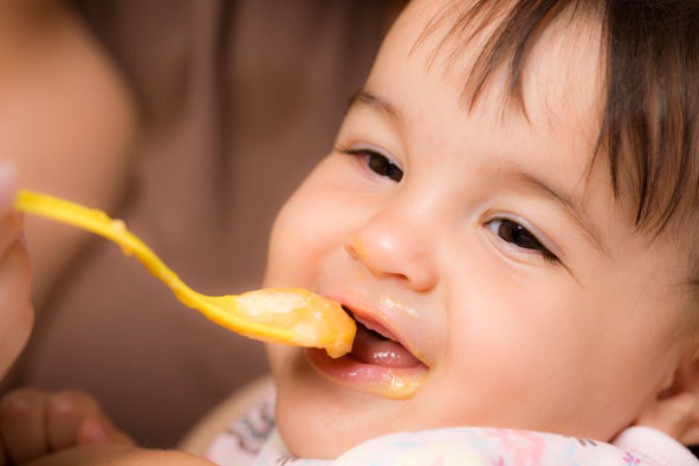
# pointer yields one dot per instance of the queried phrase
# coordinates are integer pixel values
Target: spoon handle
(97, 222)
(290, 316)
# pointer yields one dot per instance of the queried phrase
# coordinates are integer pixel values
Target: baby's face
(507, 284)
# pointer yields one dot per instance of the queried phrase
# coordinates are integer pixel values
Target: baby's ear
(675, 410)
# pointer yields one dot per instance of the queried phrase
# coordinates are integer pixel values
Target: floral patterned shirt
(254, 441)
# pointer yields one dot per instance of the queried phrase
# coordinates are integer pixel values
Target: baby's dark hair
(649, 127)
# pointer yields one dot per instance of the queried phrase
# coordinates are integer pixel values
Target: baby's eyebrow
(364, 96)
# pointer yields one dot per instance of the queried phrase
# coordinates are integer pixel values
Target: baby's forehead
(556, 90)
(491, 44)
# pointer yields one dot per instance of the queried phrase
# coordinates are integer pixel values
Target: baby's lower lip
(393, 375)
(371, 347)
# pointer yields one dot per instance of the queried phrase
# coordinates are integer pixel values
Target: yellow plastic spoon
(279, 315)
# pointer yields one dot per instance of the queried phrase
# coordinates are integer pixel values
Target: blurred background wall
(228, 104)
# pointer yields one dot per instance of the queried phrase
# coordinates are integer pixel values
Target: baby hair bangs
(650, 52)
(650, 112)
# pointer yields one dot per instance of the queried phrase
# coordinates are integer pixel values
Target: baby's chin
(317, 438)
(316, 423)
(308, 418)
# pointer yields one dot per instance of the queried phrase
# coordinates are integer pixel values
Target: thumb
(8, 184)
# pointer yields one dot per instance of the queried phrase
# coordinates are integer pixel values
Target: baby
(509, 215)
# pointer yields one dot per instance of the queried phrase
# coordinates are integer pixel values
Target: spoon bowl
(278, 315)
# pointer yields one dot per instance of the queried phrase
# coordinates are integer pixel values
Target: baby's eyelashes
(516, 235)
(377, 162)
(512, 235)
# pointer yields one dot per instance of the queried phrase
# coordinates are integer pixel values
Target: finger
(101, 431)
(14, 334)
(15, 274)
(16, 313)
(11, 224)
(8, 185)
(65, 413)
(22, 425)
(11, 221)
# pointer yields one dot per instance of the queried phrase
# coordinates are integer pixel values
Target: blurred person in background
(192, 120)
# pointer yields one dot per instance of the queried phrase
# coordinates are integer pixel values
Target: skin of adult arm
(118, 455)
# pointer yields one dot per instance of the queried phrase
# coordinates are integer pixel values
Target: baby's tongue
(371, 348)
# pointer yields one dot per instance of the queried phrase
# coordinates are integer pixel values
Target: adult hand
(16, 312)
(34, 424)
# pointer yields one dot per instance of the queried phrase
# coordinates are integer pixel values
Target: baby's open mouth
(375, 345)
(379, 362)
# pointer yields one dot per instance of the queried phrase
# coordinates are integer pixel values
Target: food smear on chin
(402, 376)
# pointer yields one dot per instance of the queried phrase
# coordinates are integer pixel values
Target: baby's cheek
(281, 236)
(284, 363)
(276, 354)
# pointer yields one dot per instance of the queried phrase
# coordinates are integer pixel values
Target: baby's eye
(378, 163)
(514, 233)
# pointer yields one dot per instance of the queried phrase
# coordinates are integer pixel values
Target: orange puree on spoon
(277, 315)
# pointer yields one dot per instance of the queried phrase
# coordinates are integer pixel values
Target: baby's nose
(391, 248)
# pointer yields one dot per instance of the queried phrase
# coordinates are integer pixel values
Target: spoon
(279, 315)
